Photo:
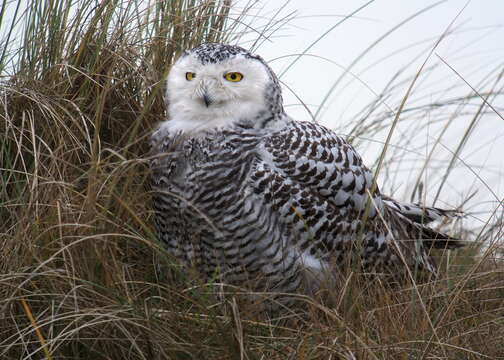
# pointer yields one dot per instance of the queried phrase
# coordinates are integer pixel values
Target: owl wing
(323, 162)
(319, 184)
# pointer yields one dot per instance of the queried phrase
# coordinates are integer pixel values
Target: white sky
(475, 50)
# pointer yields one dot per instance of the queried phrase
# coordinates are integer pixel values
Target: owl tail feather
(416, 217)
(419, 213)
(436, 239)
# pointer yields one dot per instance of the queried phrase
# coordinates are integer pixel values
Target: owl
(249, 196)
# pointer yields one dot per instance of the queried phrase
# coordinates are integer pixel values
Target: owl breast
(208, 215)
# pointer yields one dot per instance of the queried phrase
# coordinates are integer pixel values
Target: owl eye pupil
(233, 76)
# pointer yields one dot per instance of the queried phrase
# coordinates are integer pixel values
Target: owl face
(214, 86)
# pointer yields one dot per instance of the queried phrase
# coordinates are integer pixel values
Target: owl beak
(207, 99)
(203, 93)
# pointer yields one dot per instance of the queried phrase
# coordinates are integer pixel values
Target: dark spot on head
(214, 52)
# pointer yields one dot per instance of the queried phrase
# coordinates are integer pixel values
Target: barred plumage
(243, 192)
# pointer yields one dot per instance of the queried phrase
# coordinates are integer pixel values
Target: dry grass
(78, 261)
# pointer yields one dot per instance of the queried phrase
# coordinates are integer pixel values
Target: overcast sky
(474, 49)
(478, 40)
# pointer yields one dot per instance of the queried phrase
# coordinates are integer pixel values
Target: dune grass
(81, 90)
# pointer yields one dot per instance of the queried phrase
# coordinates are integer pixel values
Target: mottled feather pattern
(278, 203)
(227, 230)
(248, 202)
(420, 213)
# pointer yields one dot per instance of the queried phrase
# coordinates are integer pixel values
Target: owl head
(218, 85)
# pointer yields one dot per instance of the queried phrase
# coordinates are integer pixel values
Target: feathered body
(245, 193)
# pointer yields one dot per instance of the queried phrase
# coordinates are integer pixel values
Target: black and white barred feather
(279, 203)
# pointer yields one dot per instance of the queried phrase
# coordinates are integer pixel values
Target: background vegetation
(81, 90)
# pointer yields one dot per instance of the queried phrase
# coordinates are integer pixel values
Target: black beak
(207, 100)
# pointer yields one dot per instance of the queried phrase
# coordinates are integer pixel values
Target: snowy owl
(244, 193)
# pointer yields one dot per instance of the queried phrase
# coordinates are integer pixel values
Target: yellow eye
(190, 75)
(233, 76)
